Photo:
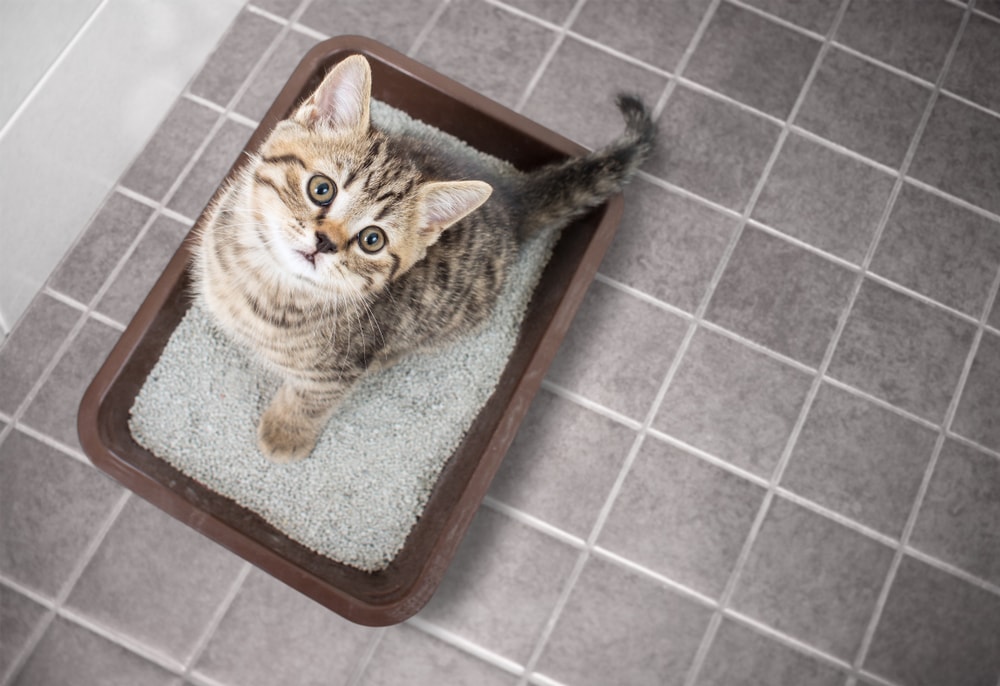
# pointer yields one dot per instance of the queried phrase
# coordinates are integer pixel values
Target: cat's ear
(342, 101)
(442, 203)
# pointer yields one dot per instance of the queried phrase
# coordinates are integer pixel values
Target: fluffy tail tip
(638, 119)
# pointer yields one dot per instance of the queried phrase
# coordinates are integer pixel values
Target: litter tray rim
(392, 595)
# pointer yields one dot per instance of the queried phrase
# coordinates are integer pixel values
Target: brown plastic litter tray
(399, 591)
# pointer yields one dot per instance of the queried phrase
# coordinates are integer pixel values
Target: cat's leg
(292, 423)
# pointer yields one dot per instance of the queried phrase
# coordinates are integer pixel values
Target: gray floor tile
(54, 409)
(30, 347)
(397, 24)
(733, 402)
(781, 296)
(902, 350)
(812, 578)
(742, 656)
(913, 35)
(975, 70)
(562, 464)
(936, 629)
(19, 619)
(143, 268)
(668, 246)
(155, 579)
(268, 82)
(937, 248)
(715, 149)
(863, 107)
(70, 654)
(978, 414)
(408, 656)
(860, 460)
(753, 60)
(492, 51)
(655, 32)
(575, 95)
(237, 54)
(958, 153)
(171, 147)
(814, 15)
(501, 586)
(620, 628)
(52, 506)
(824, 198)
(556, 11)
(273, 635)
(206, 175)
(660, 521)
(618, 350)
(959, 520)
(84, 270)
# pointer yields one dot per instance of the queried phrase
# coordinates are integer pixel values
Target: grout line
(213, 623)
(561, 33)
(55, 605)
(52, 68)
(808, 247)
(711, 459)
(884, 404)
(592, 405)
(687, 194)
(124, 640)
(643, 296)
(309, 32)
(664, 581)
(875, 62)
(58, 446)
(959, 438)
(465, 645)
(775, 19)
(534, 522)
(965, 204)
(418, 42)
(361, 666)
(261, 12)
(926, 300)
(880, 603)
(685, 59)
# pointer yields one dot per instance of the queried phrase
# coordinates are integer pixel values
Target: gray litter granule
(356, 498)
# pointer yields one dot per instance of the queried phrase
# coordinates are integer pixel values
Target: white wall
(83, 85)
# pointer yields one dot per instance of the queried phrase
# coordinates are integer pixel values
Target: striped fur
(340, 248)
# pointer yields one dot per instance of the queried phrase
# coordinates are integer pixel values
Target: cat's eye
(321, 190)
(371, 239)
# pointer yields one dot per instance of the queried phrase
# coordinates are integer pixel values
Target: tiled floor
(768, 453)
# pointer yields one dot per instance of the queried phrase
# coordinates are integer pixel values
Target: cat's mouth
(309, 257)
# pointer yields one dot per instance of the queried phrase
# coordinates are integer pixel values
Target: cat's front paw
(285, 439)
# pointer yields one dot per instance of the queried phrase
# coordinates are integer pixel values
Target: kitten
(340, 248)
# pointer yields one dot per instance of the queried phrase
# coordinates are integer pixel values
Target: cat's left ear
(442, 203)
(342, 100)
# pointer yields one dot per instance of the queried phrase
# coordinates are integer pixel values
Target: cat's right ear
(342, 101)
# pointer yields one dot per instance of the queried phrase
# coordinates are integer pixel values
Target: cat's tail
(558, 193)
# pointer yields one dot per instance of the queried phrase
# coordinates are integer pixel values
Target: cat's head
(332, 206)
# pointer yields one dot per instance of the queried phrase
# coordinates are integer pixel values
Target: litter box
(393, 594)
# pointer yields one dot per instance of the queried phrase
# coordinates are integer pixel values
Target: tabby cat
(340, 248)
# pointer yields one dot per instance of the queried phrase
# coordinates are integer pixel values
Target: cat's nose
(324, 244)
